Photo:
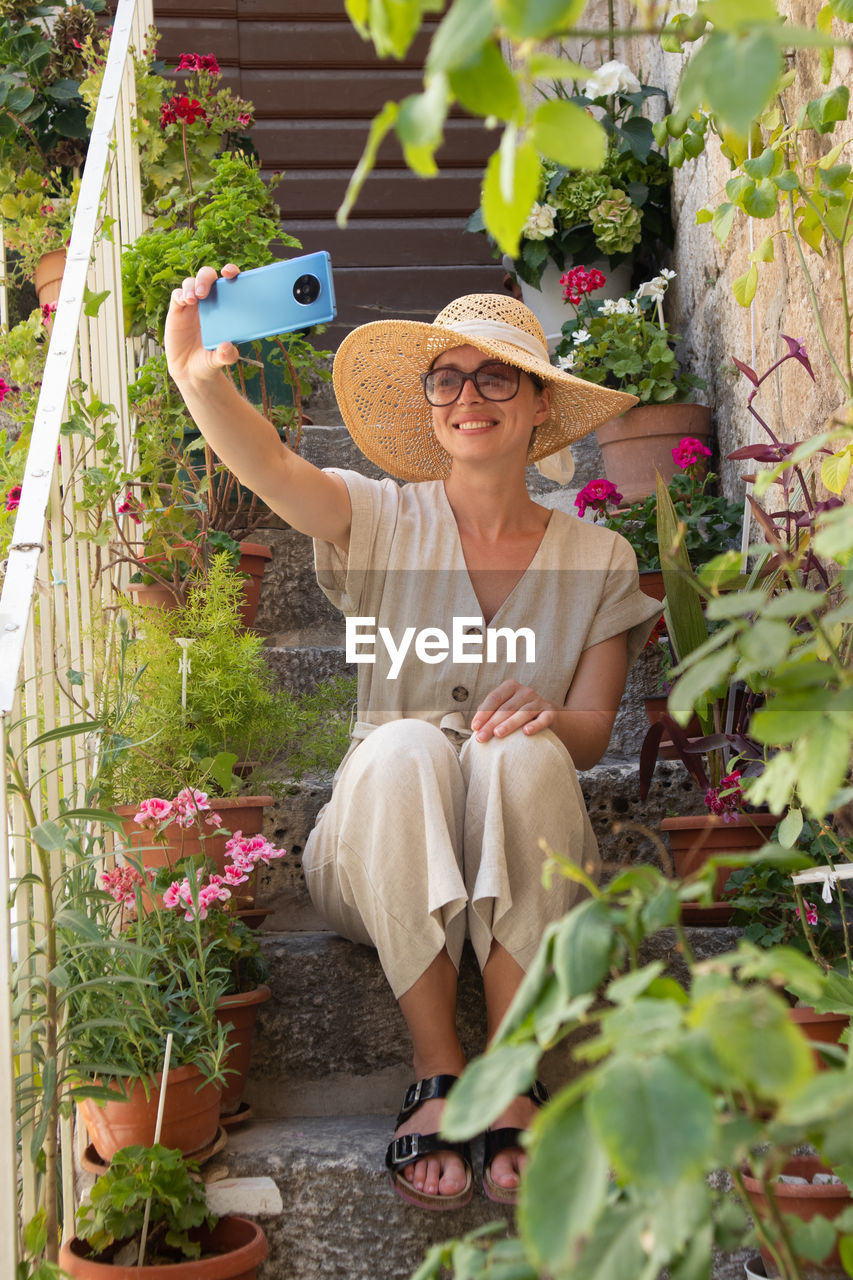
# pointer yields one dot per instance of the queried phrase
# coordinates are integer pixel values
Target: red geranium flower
(13, 498)
(179, 107)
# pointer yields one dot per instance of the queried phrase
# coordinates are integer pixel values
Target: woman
(465, 753)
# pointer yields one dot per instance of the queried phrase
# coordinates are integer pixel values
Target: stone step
(624, 827)
(332, 1038)
(341, 1220)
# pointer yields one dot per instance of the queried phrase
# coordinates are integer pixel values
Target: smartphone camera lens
(306, 290)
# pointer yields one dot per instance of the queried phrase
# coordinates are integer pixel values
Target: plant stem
(190, 211)
(801, 908)
(813, 296)
(780, 1244)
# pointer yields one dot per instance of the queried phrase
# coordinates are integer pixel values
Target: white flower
(623, 307)
(566, 362)
(540, 222)
(613, 77)
(607, 307)
(667, 274)
(580, 335)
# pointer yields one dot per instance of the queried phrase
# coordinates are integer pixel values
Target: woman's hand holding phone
(188, 360)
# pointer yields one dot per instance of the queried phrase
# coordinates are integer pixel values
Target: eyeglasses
(494, 381)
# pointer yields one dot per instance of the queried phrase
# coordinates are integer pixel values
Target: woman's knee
(530, 755)
(402, 744)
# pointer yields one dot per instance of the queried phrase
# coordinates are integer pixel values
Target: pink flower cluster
(811, 913)
(121, 883)
(186, 809)
(180, 107)
(690, 452)
(4, 389)
(579, 281)
(131, 507)
(179, 894)
(199, 62)
(599, 495)
(245, 852)
(726, 800)
(47, 312)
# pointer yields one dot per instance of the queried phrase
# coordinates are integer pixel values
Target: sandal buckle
(413, 1097)
(404, 1147)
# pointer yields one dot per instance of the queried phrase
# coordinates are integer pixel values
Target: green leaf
(74, 677)
(615, 1248)
(825, 112)
(633, 1106)
(762, 200)
(734, 76)
(842, 9)
(542, 66)
(420, 124)
(505, 218)
(582, 948)
(487, 1087)
(835, 471)
(721, 223)
(813, 1239)
(704, 215)
(731, 15)
(92, 302)
(568, 1167)
(487, 87)
(790, 828)
(538, 19)
(745, 286)
(379, 127)
(564, 132)
(752, 1035)
(461, 35)
(823, 761)
(788, 716)
(761, 166)
(62, 90)
(685, 620)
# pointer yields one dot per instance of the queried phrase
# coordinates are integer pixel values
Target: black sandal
(497, 1140)
(410, 1147)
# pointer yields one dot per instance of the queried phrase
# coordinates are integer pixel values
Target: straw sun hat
(377, 377)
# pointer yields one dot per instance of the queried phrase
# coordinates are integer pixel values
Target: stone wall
(702, 307)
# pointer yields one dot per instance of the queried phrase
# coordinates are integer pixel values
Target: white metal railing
(49, 611)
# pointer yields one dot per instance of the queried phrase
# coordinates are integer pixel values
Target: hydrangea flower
(540, 222)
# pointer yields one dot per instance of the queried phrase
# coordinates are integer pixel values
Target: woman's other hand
(510, 707)
(188, 360)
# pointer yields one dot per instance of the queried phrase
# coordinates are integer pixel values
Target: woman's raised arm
(306, 497)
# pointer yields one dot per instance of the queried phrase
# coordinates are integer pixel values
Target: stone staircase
(331, 1057)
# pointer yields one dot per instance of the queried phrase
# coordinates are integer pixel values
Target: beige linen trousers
(431, 836)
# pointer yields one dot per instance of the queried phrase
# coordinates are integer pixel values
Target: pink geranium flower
(690, 452)
(598, 495)
(121, 883)
(13, 498)
(151, 813)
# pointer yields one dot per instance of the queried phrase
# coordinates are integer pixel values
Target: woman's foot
(441, 1174)
(504, 1158)
(425, 1169)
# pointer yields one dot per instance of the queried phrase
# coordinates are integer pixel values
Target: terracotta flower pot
(822, 1028)
(48, 276)
(233, 1250)
(242, 813)
(804, 1202)
(190, 1114)
(640, 442)
(253, 560)
(695, 838)
(241, 1011)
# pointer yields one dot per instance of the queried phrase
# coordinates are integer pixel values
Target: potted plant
(191, 700)
(43, 133)
(774, 909)
(605, 218)
(164, 980)
(148, 1216)
(627, 344)
(709, 523)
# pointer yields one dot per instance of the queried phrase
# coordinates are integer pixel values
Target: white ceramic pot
(548, 304)
(754, 1269)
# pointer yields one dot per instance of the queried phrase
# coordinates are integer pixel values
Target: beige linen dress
(431, 835)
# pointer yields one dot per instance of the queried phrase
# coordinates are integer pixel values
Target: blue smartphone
(292, 294)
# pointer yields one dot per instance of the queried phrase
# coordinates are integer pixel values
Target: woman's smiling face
(475, 427)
